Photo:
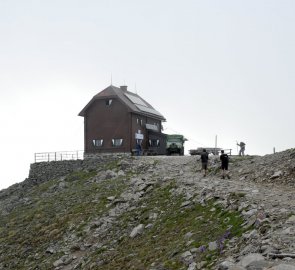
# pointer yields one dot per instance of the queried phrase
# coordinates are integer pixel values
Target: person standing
(204, 160)
(138, 149)
(224, 164)
(242, 148)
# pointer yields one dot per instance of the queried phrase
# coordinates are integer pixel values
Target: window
(117, 142)
(97, 143)
(139, 121)
(109, 102)
(154, 143)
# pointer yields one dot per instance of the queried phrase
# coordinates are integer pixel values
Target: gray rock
(276, 174)
(283, 267)
(188, 235)
(213, 246)
(58, 263)
(186, 203)
(121, 173)
(237, 267)
(249, 249)
(186, 254)
(137, 230)
(187, 258)
(225, 265)
(153, 216)
(192, 266)
(259, 265)
(110, 174)
(291, 219)
(250, 212)
(251, 258)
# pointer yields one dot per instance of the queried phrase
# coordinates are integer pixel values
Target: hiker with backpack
(204, 160)
(242, 148)
(224, 164)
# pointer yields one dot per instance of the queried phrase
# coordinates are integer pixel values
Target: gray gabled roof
(133, 101)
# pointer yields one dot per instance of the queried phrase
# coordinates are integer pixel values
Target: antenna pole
(215, 145)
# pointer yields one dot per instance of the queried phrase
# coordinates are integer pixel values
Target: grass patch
(53, 213)
(60, 208)
(165, 240)
(113, 165)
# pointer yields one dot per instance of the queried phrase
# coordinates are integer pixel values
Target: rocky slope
(151, 213)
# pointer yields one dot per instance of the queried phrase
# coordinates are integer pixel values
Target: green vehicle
(175, 144)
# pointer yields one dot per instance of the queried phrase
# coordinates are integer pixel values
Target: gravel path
(275, 199)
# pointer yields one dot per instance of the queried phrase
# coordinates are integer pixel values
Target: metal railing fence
(58, 156)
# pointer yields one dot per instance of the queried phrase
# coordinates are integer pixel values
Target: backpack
(225, 158)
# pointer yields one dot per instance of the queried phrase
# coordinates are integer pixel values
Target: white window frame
(152, 141)
(97, 142)
(117, 142)
(109, 102)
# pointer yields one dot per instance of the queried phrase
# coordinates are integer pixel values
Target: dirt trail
(276, 200)
(187, 169)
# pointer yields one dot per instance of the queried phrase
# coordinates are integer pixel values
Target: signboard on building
(138, 136)
(152, 127)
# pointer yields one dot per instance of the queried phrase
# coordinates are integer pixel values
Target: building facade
(116, 120)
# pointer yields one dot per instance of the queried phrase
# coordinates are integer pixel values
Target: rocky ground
(109, 217)
(269, 204)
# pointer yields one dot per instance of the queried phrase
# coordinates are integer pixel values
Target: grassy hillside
(84, 221)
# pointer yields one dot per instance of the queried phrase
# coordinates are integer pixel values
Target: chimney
(123, 88)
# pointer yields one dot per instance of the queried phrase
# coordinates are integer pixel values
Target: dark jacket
(224, 158)
(204, 157)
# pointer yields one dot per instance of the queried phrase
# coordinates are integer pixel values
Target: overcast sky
(222, 68)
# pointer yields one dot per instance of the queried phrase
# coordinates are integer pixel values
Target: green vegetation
(52, 213)
(59, 210)
(165, 240)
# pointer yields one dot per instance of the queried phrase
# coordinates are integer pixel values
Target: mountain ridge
(120, 212)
